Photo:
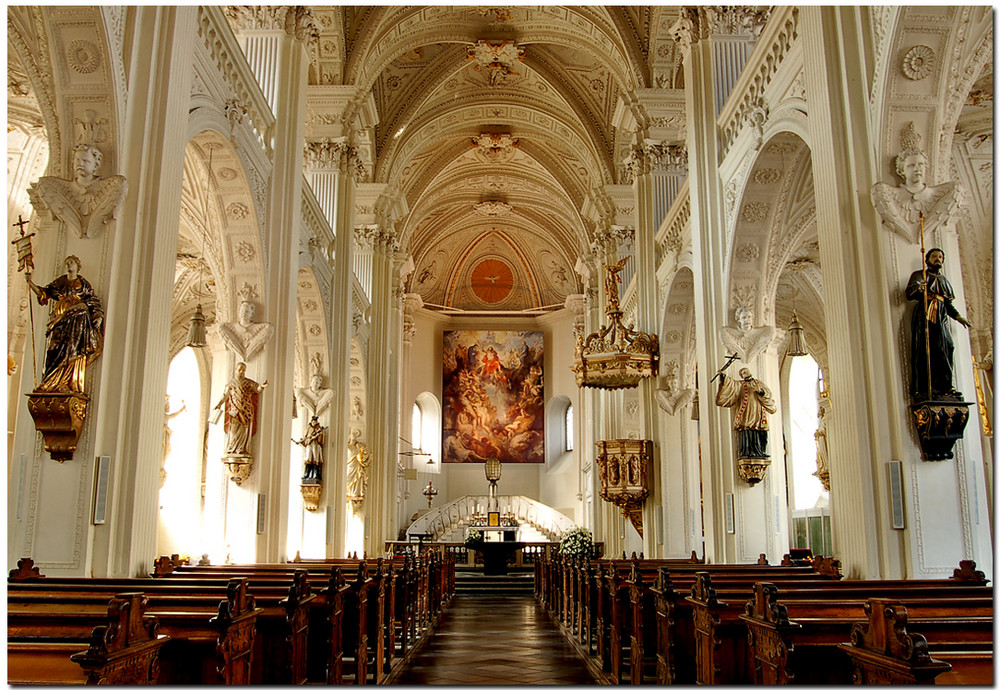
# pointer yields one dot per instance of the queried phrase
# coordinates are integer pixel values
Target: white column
(864, 371)
(708, 243)
(134, 376)
(382, 398)
(282, 227)
(334, 188)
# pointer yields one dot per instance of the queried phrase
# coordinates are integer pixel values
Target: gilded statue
(357, 471)
(75, 331)
(752, 402)
(932, 348)
(239, 403)
(246, 337)
(167, 433)
(312, 440)
(86, 202)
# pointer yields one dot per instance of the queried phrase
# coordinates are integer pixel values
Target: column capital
(335, 155)
(701, 23)
(376, 237)
(656, 157)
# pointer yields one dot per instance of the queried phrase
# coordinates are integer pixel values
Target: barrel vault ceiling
(495, 124)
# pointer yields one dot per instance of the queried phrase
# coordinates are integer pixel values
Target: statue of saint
(746, 341)
(931, 345)
(75, 332)
(240, 400)
(312, 441)
(85, 202)
(752, 402)
(900, 207)
(167, 433)
(246, 337)
(357, 470)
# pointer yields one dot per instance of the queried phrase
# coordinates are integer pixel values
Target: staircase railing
(457, 513)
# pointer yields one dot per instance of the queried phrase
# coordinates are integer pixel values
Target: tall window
(416, 426)
(568, 428)
(810, 502)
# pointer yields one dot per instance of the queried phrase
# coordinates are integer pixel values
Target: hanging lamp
(196, 328)
(796, 338)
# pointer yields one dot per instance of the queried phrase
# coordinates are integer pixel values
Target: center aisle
(489, 640)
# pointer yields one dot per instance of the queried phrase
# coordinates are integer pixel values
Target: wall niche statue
(239, 405)
(86, 202)
(751, 401)
(313, 440)
(357, 471)
(74, 338)
(939, 411)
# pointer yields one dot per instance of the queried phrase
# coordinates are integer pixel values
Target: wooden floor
(489, 640)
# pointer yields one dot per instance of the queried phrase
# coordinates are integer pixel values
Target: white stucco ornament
(86, 202)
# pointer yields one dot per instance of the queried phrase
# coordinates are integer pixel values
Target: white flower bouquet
(577, 542)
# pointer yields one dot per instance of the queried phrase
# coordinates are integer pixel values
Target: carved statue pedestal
(310, 496)
(59, 416)
(239, 467)
(939, 424)
(752, 470)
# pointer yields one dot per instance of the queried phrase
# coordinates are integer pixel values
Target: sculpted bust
(315, 397)
(86, 202)
(746, 341)
(672, 398)
(900, 206)
(246, 337)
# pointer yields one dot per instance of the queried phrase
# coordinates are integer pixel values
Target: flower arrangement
(577, 542)
(473, 538)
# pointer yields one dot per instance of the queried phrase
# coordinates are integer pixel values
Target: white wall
(552, 483)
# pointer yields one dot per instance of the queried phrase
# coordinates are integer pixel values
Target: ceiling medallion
(498, 59)
(615, 356)
(491, 209)
(495, 148)
(492, 280)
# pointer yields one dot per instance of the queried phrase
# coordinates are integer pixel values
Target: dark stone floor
(487, 640)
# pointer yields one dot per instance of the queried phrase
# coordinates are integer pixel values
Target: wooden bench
(795, 638)
(723, 652)
(119, 648)
(890, 648)
(280, 626)
(210, 641)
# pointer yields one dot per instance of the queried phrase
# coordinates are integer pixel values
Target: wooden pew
(280, 625)
(210, 641)
(795, 638)
(884, 649)
(121, 649)
(721, 617)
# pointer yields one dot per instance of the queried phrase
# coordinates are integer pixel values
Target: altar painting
(493, 396)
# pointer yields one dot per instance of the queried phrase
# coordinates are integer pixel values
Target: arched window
(809, 501)
(568, 428)
(426, 433)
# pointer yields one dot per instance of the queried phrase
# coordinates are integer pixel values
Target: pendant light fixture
(796, 339)
(196, 329)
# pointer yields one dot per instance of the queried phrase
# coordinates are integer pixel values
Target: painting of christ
(493, 396)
